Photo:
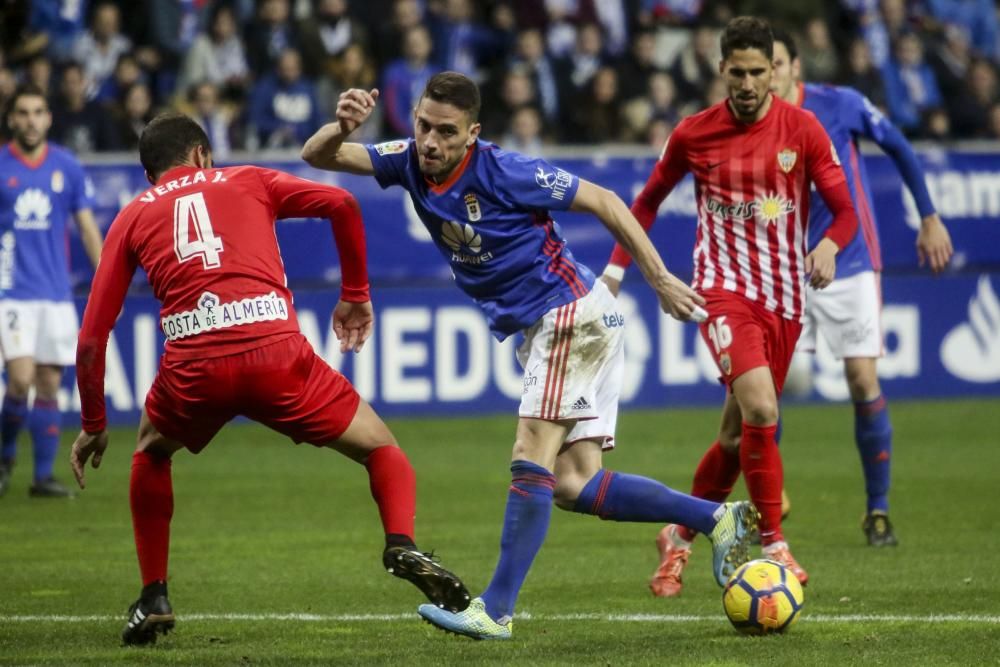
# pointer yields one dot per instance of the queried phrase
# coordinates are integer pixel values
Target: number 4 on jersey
(188, 209)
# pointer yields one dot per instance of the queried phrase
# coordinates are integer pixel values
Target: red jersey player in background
(205, 237)
(753, 157)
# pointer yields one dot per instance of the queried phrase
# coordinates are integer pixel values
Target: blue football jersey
(491, 222)
(36, 201)
(846, 115)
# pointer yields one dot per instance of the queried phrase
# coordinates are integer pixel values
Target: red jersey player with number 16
(205, 238)
(753, 157)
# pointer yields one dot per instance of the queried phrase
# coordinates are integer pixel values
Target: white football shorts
(848, 314)
(574, 360)
(45, 330)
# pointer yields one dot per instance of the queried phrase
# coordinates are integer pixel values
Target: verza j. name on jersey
(37, 199)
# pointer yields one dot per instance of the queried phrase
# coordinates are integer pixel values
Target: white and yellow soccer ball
(762, 597)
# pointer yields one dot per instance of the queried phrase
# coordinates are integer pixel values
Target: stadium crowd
(262, 74)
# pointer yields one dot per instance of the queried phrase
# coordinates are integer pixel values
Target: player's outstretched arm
(327, 150)
(676, 298)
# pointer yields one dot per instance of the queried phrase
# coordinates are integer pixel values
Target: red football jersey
(752, 188)
(206, 239)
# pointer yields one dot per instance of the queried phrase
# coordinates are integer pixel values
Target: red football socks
(713, 479)
(151, 497)
(761, 462)
(394, 488)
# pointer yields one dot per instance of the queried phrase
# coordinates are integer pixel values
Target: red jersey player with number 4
(753, 157)
(205, 238)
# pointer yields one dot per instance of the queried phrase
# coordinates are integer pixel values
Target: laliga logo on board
(971, 351)
(32, 210)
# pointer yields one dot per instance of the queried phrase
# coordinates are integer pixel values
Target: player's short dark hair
(26, 89)
(455, 89)
(747, 32)
(167, 140)
(784, 35)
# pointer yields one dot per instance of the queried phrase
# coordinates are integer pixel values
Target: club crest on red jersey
(472, 208)
(786, 160)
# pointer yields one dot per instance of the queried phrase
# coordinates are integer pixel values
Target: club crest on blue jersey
(472, 207)
(58, 181)
(786, 160)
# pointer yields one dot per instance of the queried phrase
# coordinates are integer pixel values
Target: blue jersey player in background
(847, 312)
(42, 186)
(487, 211)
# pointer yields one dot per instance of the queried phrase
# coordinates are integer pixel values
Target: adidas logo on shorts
(581, 404)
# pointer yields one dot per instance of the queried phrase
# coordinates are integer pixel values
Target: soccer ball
(762, 597)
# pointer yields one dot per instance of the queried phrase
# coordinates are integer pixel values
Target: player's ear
(474, 130)
(149, 177)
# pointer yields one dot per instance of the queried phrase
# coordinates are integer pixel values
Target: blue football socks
(12, 416)
(525, 523)
(620, 497)
(873, 434)
(43, 422)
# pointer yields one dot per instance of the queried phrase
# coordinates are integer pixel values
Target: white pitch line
(610, 618)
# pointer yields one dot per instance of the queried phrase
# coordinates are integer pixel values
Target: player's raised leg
(151, 499)
(368, 441)
(873, 435)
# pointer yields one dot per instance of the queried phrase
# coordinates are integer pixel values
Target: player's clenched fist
(821, 264)
(354, 107)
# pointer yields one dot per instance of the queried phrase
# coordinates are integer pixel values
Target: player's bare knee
(567, 490)
(760, 412)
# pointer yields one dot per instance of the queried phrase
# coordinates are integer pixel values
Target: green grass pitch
(275, 555)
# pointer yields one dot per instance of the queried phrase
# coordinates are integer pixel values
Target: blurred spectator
(406, 14)
(99, 48)
(657, 134)
(217, 120)
(716, 91)
(636, 68)
(38, 71)
(78, 123)
(861, 74)
(524, 133)
(173, 27)
(326, 35)
(8, 83)
(658, 104)
(403, 81)
(131, 117)
(937, 126)
(61, 23)
(461, 43)
(575, 71)
(970, 112)
(529, 52)
(697, 65)
(910, 84)
(818, 55)
(217, 56)
(516, 91)
(977, 17)
(269, 34)
(127, 72)
(670, 11)
(950, 60)
(284, 109)
(564, 17)
(598, 115)
(995, 122)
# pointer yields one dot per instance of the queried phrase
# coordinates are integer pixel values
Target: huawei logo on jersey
(465, 243)
(32, 210)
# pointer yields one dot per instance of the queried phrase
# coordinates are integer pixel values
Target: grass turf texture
(263, 527)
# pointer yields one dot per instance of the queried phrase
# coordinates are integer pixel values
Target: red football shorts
(743, 335)
(283, 385)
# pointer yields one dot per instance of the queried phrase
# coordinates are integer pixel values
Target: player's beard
(28, 142)
(752, 113)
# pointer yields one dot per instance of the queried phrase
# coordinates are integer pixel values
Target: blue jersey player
(42, 186)
(487, 211)
(848, 312)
